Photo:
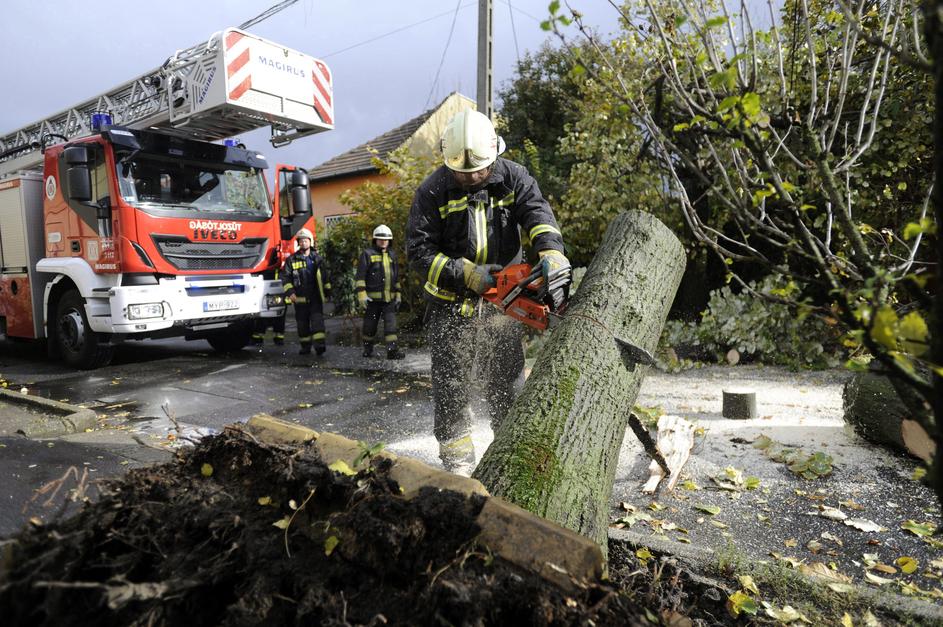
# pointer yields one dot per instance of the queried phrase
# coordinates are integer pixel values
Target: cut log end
(739, 404)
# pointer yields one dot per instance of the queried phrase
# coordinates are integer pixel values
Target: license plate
(220, 305)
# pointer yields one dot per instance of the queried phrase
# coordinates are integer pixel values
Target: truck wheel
(231, 339)
(79, 346)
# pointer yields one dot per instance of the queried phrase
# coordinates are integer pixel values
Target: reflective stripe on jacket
(301, 275)
(447, 224)
(378, 274)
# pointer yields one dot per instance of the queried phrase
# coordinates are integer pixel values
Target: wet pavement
(155, 395)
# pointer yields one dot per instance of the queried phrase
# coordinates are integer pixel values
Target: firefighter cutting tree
(465, 224)
(119, 220)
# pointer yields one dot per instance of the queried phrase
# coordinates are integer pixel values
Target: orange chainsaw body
(520, 305)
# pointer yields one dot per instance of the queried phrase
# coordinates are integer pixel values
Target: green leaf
(728, 103)
(739, 602)
(747, 583)
(553, 7)
(884, 328)
(750, 104)
(330, 544)
(918, 529)
(206, 470)
(342, 467)
(913, 329)
(716, 21)
(713, 510)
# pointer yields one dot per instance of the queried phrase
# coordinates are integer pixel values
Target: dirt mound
(239, 532)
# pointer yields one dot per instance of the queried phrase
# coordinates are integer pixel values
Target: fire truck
(124, 217)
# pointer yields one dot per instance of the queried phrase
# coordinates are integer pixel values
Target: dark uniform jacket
(447, 224)
(302, 276)
(378, 274)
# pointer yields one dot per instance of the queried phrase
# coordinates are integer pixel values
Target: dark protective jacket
(301, 276)
(378, 274)
(447, 224)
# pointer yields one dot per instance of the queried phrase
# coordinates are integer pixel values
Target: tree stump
(739, 404)
(875, 410)
(556, 452)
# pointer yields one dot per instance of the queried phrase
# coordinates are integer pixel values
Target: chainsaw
(540, 300)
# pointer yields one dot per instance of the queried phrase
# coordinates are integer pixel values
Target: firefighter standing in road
(378, 292)
(466, 222)
(307, 290)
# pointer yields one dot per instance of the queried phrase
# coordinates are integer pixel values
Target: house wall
(325, 195)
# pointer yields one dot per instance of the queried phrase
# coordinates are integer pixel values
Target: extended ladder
(233, 83)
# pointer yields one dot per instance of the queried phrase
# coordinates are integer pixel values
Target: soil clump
(239, 532)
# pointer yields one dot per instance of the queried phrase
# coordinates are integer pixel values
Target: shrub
(757, 328)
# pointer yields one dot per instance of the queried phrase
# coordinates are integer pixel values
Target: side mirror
(301, 199)
(80, 183)
(77, 155)
(298, 178)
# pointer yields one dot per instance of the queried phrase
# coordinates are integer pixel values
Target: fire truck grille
(183, 254)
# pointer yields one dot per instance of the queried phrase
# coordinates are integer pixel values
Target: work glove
(398, 300)
(479, 278)
(362, 300)
(556, 271)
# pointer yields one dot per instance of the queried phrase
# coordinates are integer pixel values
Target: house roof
(360, 159)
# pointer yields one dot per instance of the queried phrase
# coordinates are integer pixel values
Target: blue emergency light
(232, 143)
(99, 120)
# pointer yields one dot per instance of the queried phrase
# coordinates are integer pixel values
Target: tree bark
(556, 452)
(877, 413)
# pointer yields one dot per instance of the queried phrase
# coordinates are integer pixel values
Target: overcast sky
(60, 52)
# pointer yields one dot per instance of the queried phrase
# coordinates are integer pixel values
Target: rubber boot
(305, 348)
(319, 350)
(279, 340)
(458, 455)
(367, 349)
(393, 352)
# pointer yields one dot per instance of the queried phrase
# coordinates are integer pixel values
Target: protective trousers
(371, 322)
(485, 348)
(261, 324)
(310, 319)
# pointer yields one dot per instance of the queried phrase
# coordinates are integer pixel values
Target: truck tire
(231, 339)
(78, 345)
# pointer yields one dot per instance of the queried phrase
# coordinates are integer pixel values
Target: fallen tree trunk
(556, 452)
(874, 408)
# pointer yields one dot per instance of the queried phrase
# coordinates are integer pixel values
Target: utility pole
(484, 57)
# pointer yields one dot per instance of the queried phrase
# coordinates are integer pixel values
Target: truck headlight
(145, 310)
(274, 300)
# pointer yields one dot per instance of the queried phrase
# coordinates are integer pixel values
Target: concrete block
(559, 555)
(39, 417)
(412, 475)
(276, 431)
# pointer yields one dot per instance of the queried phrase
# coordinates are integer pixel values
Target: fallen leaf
(814, 545)
(878, 581)
(846, 620)
(643, 555)
(713, 510)
(791, 542)
(851, 504)
(739, 602)
(831, 513)
(884, 568)
(718, 524)
(747, 583)
(907, 564)
(828, 536)
(690, 485)
(282, 523)
(655, 506)
(919, 529)
(820, 570)
(342, 467)
(330, 544)
(265, 500)
(843, 588)
(206, 470)
(864, 525)
(786, 615)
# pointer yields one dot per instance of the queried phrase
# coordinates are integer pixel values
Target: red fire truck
(119, 219)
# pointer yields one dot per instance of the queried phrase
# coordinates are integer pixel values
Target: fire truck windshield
(157, 182)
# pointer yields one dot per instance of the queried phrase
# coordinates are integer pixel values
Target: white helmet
(469, 142)
(382, 232)
(304, 233)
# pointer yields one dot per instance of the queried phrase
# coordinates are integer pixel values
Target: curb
(702, 559)
(40, 417)
(558, 555)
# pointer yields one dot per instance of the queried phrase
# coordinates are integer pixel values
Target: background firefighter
(307, 290)
(378, 292)
(465, 223)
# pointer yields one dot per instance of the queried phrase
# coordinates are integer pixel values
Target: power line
(458, 6)
(267, 13)
(514, 31)
(392, 32)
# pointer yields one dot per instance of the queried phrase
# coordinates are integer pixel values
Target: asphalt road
(156, 394)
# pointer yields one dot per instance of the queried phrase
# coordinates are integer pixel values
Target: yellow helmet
(469, 142)
(304, 233)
